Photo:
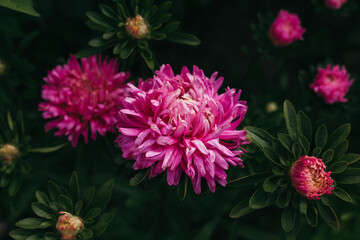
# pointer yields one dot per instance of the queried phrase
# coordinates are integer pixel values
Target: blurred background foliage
(229, 32)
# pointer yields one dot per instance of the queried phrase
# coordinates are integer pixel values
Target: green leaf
(126, 51)
(100, 42)
(270, 184)
(328, 214)
(158, 35)
(338, 167)
(164, 7)
(109, 12)
(283, 199)
(25, 167)
(10, 121)
(66, 203)
(304, 125)
(20, 234)
(260, 137)
(305, 144)
(14, 184)
(88, 196)
(106, 217)
(24, 6)
(147, 56)
(170, 27)
(342, 194)
(291, 120)
(78, 207)
(100, 20)
(108, 35)
(54, 190)
(37, 236)
(296, 150)
(283, 182)
(241, 209)
(350, 158)
(338, 135)
(43, 211)
(261, 199)
(271, 155)
(86, 233)
(279, 171)
(5, 179)
(316, 151)
(93, 213)
(285, 140)
(51, 236)
(42, 198)
(74, 186)
(29, 223)
(99, 228)
(138, 178)
(341, 149)
(312, 215)
(48, 149)
(183, 38)
(103, 195)
(321, 136)
(142, 44)
(249, 179)
(328, 156)
(182, 189)
(350, 176)
(288, 218)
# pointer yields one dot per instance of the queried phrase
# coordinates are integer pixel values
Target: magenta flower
(335, 4)
(286, 29)
(309, 178)
(332, 83)
(181, 124)
(83, 96)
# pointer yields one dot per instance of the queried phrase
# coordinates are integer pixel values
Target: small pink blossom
(286, 29)
(68, 225)
(309, 178)
(335, 4)
(179, 123)
(332, 83)
(83, 96)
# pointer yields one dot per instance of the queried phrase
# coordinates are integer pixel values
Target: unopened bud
(8, 152)
(68, 225)
(136, 27)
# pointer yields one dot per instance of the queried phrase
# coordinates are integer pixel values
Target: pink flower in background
(79, 97)
(335, 4)
(309, 178)
(286, 29)
(332, 83)
(179, 123)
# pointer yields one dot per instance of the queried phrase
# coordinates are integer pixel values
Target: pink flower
(83, 96)
(286, 29)
(332, 83)
(179, 123)
(309, 178)
(68, 225)
(334, 4)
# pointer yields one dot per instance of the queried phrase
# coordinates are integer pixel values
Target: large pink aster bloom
(83, 96)
(332, 84)
(286, 29)
(335, 4)
(179, 123)
(309, 177)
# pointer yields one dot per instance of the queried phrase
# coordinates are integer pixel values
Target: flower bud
(136, 27)
(335, 4)
(68, 225)
(271, 107)
(332, 84)
(286, 29)
(8, 152)
(309, 178)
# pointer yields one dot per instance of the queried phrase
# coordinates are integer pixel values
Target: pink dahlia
(332, 83)
(335, 4)
(309, 178)
(286, 29)
(83, 96)
(179, 123)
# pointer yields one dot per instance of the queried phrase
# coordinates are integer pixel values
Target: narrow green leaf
(20, 234)
(14, 184)
(261, 199)
(283, 182)
(283, 199)
(316, 151)
(183, 38)
(88, 196)
(350, 158)
(142, 44)
(42, 198)
(24, 6)
(182, 189)
(260, 137)
(350, 176)
(321, 136)
(100, 20)
(93, 213)
(54, 190)
(338, 167)
(305, 144)
(74, 186)
(86, 233)
(288, 218)
(338, 135)
(304, 125)
(106, 217)
(48, 149)
(158, 35)
(146, 54)
(37, 236)
(291, 120)
(341, 149)
(99, 228)
(29, 223)
(5, 179)
(109, 12)
(271, 155)
(328, 156)
(43, 211)
(250, 179)
(10, 121)
(241, 209)
(51, 236)
(100, 42)
(270, 184)
(312, 215)
(170, 27)
(342, 194)
(126, 51)
(285, 140)
(296, 150)
(78, 207)
(25, 167)
(66, 203)
(108, 35)
(279, 171)
(138, 178)
(328, 214)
